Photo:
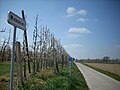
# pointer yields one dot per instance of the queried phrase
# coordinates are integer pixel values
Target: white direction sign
(16, 21)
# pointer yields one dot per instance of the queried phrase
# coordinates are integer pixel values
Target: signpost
(17, 22)
(70, 64)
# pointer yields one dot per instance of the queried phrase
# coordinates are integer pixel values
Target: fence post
(19, 63)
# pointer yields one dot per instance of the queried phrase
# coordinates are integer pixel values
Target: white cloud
(78, 30)
(75, 32)
(71, 46)
(82, 12)
(83, 19)
(73, 49)
(86, 20)
(71, 11)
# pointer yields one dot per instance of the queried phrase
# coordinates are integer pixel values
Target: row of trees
(5, 50)
(45, 52)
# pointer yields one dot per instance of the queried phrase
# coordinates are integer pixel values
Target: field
(113, 68)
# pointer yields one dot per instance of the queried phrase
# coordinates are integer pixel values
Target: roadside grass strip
(112, 75)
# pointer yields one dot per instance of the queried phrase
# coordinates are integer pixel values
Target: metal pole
(12, 60)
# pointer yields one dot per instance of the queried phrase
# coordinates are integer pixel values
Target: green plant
(63, 81)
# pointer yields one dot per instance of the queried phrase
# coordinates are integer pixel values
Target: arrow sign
(16, 21)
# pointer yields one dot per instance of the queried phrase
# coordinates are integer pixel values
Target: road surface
(96, 80)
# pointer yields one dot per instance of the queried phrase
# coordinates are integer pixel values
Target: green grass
(46, 80)
(65, 81)
(5, 75)
(112, 75)
(5, 68)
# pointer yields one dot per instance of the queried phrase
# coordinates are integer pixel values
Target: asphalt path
(96, 80)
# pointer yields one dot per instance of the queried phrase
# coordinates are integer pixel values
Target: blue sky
(87, 28)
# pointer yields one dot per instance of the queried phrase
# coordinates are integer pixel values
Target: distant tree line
(105, 59)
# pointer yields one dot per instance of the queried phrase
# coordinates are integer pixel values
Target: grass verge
(4, 68)
(46, 80)
(5, 75)
(112, 75)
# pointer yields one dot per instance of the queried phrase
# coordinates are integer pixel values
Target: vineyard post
(26, 44)
(19, 63)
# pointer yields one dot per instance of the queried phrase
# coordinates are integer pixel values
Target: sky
(86, 28)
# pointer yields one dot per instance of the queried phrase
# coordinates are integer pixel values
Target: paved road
(96, 80)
